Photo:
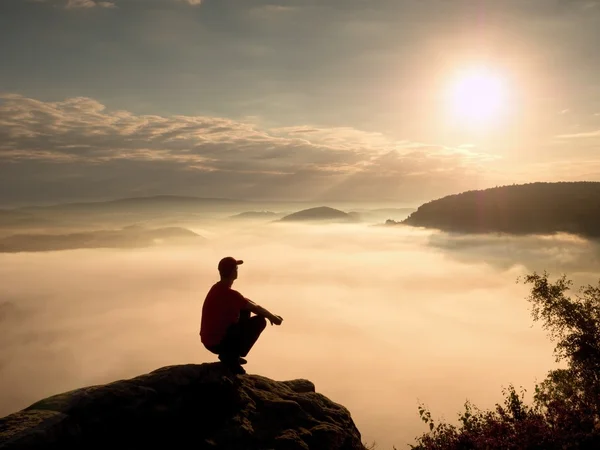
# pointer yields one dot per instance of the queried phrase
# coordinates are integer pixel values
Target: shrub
(565, 413)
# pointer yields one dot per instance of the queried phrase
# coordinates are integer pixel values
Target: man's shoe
(237, 369)
(232, 359)
(226, 358)
(233, 364)
(234, 367)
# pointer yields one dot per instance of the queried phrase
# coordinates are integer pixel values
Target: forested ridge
(572, 207)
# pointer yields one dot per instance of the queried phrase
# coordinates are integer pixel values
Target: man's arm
(259, 310)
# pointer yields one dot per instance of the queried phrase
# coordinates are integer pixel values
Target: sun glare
(477, 97)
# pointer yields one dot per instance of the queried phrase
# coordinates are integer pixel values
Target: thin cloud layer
(74, 4)
(80, 134)
(588, 134)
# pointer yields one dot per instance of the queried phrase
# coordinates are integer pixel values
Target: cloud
(82, 134)
(559, 252)
(270, 11)
(75, 4)
(589, 134)
(193, 2)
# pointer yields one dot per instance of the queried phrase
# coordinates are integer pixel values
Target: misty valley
(379, 314)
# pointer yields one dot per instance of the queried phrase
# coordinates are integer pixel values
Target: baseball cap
(227, 264)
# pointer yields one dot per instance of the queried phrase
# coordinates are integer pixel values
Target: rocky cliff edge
(200, 406)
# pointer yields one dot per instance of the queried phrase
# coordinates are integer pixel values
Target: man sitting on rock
(226, 327)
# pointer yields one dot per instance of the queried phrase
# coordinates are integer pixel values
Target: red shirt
(221, 308)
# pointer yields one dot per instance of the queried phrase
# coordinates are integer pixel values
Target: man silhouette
(226, 327)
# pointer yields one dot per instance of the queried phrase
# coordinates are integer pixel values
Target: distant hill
(255, 215)
(175, 210)
(128, 237)
(320, 213)
(535, 208)
(139, 204)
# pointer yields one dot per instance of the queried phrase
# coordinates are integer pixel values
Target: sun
(477, 97)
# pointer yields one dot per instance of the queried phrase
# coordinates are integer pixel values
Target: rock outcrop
(187, 406)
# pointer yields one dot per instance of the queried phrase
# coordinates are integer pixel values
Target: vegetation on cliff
(565, 413)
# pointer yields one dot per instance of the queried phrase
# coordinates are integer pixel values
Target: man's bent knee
(261, 322)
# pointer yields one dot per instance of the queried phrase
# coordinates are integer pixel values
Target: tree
(565, 413)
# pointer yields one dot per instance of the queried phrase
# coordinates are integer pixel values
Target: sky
(387, 100)
(378, 318)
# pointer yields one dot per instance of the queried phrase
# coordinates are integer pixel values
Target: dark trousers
(240, 336)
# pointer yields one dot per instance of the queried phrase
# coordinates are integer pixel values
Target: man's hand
(259, 310)
(275, 320)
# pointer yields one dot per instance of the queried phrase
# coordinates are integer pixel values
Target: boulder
(200, 406)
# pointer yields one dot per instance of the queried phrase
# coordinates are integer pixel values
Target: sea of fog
(379, 318)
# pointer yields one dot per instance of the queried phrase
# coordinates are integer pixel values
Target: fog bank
(378, 318)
